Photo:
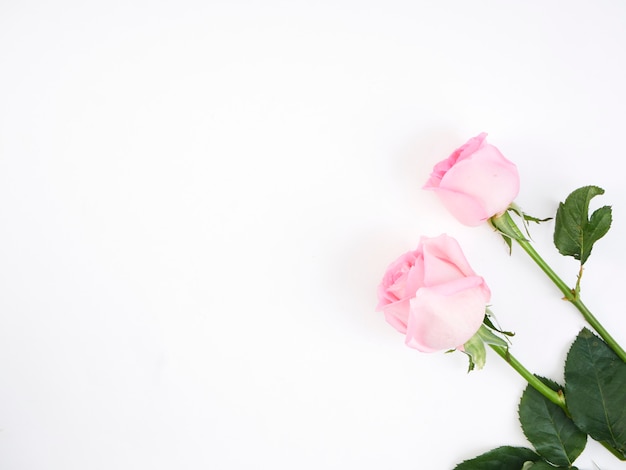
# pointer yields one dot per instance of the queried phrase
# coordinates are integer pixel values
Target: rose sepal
(506, 227)
(475, 349)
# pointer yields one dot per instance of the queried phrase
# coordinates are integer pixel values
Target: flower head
(476, 182)
(433, 296)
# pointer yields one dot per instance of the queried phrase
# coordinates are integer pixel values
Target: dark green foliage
(555, 436)
(595, 390)
(497, 459)
(574, 232)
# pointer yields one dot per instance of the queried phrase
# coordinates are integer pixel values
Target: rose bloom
(476, 182)
(433, 296)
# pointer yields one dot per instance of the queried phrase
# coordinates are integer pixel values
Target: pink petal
(444, 260)
(487, 178)
(438, 321)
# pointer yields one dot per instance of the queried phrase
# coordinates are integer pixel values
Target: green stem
(568, 293)
(555, 397)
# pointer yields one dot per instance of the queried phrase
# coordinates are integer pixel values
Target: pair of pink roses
(431, 294)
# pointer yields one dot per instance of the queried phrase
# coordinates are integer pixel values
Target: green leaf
(595, 390)
(506, 457)
(542, 465)
(555, 436)
(574, 232)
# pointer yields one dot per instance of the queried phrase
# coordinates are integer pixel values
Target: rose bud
(476, 182)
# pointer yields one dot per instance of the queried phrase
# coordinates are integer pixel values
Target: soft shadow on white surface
(198, 200)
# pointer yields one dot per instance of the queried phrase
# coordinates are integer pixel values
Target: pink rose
(476, 182)
(433, 296)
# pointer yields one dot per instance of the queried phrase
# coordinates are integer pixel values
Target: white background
(199, 199)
